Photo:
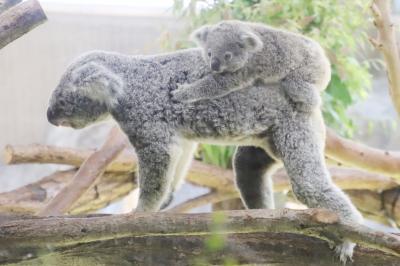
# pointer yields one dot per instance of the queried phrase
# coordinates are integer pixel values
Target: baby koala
(239, 53)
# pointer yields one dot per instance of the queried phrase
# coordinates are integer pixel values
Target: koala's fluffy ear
(251, 41)
(199, 36)
(97, 82)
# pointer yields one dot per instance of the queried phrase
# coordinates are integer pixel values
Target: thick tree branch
(386, 43)
(90, 170)
(55, 233)
(20, 19)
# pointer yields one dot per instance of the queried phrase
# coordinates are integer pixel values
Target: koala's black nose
(215, 64)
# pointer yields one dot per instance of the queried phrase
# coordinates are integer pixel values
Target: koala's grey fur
(137, 92)
(241, 52)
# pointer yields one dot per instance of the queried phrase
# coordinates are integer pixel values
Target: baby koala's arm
(213, 86)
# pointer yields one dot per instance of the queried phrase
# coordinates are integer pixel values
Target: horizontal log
(43, 154)
(20, 19)
(78, 238)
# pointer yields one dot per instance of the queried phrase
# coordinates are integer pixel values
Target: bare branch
(358, 155)
(386, 43)
(20, 19)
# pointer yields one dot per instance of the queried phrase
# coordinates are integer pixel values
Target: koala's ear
(199, 36)
(97, 82)
(251, 41)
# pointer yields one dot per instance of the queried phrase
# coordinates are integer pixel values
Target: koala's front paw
(183, 94)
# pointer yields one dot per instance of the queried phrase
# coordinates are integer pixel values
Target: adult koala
(136, 91)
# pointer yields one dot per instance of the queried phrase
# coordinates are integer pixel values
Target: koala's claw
(345, 251)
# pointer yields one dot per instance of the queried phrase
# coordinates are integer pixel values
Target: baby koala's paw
(345, 251)
(183, 94)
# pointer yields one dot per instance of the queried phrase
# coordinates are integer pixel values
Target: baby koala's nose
(215, 65)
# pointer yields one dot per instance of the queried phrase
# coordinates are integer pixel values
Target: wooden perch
(90, 170)
(386, 43)
(304, 235)
(20, 19)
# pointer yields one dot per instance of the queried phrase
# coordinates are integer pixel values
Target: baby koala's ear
(199, 36)
(251, 41)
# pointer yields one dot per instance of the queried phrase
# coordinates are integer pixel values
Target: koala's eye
(61, 102)
(209, 53)
(228, 56)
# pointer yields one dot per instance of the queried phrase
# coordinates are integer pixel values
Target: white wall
(31, 66)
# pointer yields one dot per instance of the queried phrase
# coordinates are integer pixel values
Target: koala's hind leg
(253, 172)
(157, 165)
(299, 142)
(182, 167)
(303, 93)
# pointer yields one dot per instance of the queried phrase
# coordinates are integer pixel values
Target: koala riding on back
(239, 53)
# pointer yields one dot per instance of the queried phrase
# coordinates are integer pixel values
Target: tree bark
(249, 237)
(92, 168)
(20, 19)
